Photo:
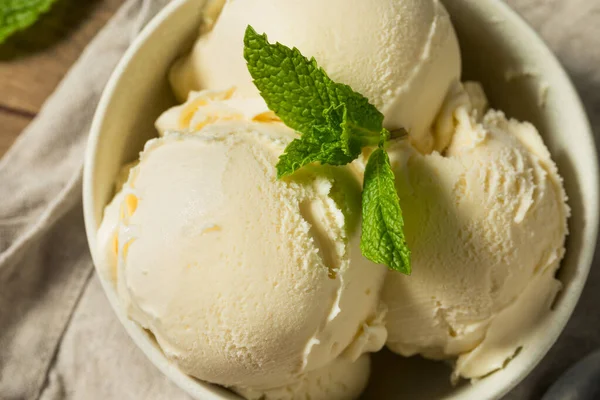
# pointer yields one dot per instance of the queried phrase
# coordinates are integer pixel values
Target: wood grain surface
(34, 61)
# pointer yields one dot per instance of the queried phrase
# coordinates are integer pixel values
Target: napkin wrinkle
(148, 10)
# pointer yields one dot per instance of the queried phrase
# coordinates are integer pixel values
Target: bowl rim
(588, 247)
(200, 389)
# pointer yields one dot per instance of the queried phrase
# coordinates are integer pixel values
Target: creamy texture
(486, 225)
(206, 107)
(339, 380)
(402, 55)
(106, 236)
(245, 280)
(108, 245)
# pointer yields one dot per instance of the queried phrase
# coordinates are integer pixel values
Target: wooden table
(34, 61)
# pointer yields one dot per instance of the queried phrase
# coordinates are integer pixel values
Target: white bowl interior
(520, 76)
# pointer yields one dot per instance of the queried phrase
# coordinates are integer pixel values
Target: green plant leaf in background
(16, 15)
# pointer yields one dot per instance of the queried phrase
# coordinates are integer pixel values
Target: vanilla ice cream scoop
(402, 55)
(245, 280)
(341, 379)
(486, 224)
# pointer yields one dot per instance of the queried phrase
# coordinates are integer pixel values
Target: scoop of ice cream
(245, 280)
(206, 107)
(486, 224)
(339, 380)
(402, 55)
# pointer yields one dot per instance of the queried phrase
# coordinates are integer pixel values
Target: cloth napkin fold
(59, 338)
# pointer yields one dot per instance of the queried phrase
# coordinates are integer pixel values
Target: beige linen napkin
(59, 338)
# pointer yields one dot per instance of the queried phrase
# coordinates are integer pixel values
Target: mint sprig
(308, 101)
(16, 15)
(335, 124)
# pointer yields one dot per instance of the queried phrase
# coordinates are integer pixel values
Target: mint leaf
(382, 239)
(304, 97)
(16, 15)
(322, 143)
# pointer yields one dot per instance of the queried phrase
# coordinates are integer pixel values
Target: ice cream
(246, 281)
(339, 380)
(258, 284)
(402, 55)
(486, 224)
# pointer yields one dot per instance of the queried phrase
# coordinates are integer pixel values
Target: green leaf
(16, 15)
(304, 97)
(382, 239)
(314, 146)
(322, 143)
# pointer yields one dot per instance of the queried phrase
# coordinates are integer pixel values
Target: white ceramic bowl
(520, 76)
